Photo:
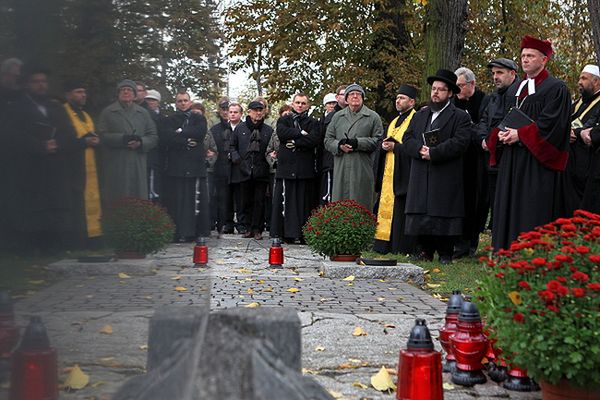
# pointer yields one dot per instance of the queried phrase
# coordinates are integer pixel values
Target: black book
(432, 138)
(515, 119)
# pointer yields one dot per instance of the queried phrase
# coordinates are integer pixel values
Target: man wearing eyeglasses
(352, 137)
(436, 140)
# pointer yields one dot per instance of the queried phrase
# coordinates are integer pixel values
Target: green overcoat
(353, 176)
(124, 171)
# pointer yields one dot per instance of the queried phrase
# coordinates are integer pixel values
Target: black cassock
(580, 155)
(529, 191)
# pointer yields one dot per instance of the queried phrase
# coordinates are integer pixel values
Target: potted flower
(136, 227)
(340, 228)
(541, 299)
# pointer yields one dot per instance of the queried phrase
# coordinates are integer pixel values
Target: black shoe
(424, 256)
(242, 231)
(445, 260)
(227, 231)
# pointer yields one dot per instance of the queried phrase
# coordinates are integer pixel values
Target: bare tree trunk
(594, 7)
(445, 36)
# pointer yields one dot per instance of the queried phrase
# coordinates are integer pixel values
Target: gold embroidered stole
(576, 123)
(93, 212)
(385, 214)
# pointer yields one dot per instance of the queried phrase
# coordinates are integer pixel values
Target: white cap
(592, 69)
(152, 94)
(329, 98)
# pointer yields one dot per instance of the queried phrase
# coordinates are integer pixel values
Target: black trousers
(253, 204)
(444, 245)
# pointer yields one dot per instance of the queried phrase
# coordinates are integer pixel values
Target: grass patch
(440, 280)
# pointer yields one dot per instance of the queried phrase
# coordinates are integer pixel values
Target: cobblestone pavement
(77, 308)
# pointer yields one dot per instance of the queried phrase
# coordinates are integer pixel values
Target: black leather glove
(343, 142)
(353, 143)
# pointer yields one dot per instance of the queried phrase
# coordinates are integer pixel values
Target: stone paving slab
(76, 308)
(404, 271)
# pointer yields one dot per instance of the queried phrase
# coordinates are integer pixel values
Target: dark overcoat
(246, 164)
(184, 136)
(436, 186)
(297, 161)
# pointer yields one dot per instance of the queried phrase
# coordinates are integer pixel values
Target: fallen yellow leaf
(360, 385)
(267, 290)
(261, 282)
(123, 275)
(389, 326)
(381, 299)
(319, 348)
(436, 270)
(358, 331)
(306, 371)
(76, 379)
(99, 383)
(349, 278)
(254, 304)
(144, 347)
(433, 285)
(176, 277)
(180, 289)
(336, 395)
(250, 291)
(448, 386)
(37, 282)
(106, 329)
(298, 279)
(293, 290)
(515, 297)
(382, 280)
(220, 261)
(382, 381)
(350, 284)
(243, 271)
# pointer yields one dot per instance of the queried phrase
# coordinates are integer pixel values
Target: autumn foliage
(542, 300)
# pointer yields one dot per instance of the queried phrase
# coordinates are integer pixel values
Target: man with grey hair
(352, 136)
(10, 71)
(128, 134)
(471, 99)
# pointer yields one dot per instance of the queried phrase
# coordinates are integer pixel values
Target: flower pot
(343, 257)
(130, 255)
(564, 391)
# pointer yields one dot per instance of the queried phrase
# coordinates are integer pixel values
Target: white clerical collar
(530, 86)
(437, 113)
(233, 126)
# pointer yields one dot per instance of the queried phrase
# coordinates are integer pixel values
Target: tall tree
(445, 35)
(594, 9)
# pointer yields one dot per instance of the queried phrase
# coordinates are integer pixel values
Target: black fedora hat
(446, 76)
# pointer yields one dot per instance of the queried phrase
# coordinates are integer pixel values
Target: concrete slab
(403, 271)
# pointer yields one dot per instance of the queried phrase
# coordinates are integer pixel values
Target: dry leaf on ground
(123, 275)
(319, 348)
(298, 279)
(243, 271)
(37, 282)
(254, 304)
(76, 379)
(250, 291)
(268, 290)
(293, 290)
(433, 285)
(349, 278)
(176, 277)
(382, 381)
(106, 329)
(448, 386)
(336, 395)
(358, 331)
(360, 385)
(180, 289)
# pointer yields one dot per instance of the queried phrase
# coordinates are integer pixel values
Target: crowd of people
(524, 154)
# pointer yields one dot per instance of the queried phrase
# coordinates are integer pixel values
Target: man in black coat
(223, 196)
(250, 168)
(393, 172)
(157, 156)
(584, 115)
(472, 99)
(436, 139)
(504, 74)
(41, 143)
(186, 191)
(532, 156)
(295, 184)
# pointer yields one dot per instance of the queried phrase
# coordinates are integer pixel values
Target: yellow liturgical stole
(93, 212)
(385, 214)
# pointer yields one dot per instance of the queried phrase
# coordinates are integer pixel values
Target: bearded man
(436, 139)
(584, 115)
(392, 180)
